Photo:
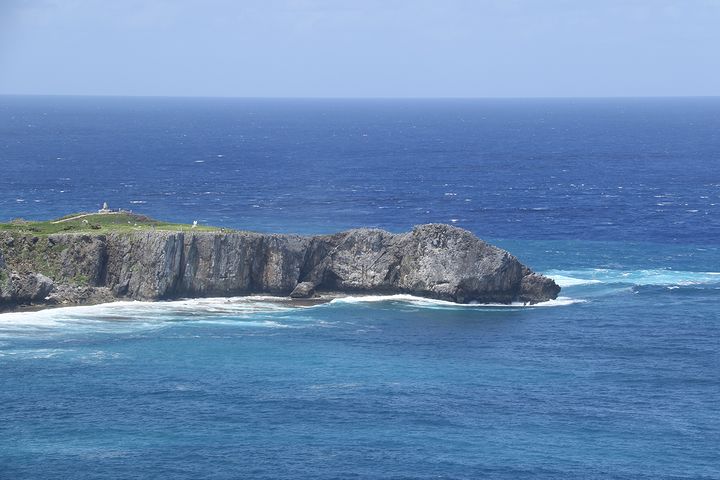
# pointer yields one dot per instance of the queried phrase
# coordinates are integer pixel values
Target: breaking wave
(657, 277)
(119, 317)
(275, 312)
(248, 311)
(443, 304)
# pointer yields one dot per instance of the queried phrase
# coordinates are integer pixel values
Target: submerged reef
(147, 263)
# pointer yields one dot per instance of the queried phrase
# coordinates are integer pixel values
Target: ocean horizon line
(367, 98)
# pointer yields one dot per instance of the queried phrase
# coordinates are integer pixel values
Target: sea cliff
(435, 261)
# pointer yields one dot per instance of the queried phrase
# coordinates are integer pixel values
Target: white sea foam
(434, 303)
(269, 311)
(122, 316)
(661, 277)
(34, 353)
(249, 311)
(565, 281)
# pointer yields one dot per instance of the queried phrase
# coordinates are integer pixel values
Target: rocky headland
(435, 261)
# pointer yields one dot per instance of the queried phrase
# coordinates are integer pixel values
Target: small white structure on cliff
(105, 208)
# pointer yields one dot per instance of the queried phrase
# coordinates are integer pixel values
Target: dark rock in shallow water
(303, 290)
(437, 261)
(78, 294)
(534, 286)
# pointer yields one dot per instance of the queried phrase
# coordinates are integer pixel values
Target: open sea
(617, 199)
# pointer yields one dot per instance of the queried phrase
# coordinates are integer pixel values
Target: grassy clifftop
(97, 223)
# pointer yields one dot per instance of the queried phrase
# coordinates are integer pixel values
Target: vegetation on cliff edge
(97, 223)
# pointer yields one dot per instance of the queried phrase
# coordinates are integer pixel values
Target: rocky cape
(435, 261)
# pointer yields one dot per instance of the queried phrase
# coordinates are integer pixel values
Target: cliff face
(437, 261)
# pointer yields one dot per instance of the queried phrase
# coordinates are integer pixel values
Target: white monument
(104, 208)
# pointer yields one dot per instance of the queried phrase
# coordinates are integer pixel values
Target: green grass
(98, 223)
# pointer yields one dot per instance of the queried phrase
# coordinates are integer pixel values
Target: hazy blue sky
(361, 48)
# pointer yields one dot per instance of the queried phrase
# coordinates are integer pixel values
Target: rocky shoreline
(434, 261)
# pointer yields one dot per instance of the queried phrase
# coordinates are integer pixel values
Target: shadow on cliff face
(434, 261)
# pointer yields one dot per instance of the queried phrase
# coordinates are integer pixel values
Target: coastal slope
(435, 261)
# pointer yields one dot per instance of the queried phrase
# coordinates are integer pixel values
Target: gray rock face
(76, 294)
(29, 287)
(437, 261)
(303, 290)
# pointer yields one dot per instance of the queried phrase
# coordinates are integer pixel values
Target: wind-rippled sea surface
(615, 199)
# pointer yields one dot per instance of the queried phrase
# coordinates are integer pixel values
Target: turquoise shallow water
(618, 379)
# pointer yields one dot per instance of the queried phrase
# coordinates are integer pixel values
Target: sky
(361, 48)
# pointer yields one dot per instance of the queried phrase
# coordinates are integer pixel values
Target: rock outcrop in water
(435, 261)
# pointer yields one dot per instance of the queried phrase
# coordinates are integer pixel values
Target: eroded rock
(437, 261)
(303, 290)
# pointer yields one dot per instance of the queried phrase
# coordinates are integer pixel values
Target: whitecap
(137, 315)
(661, 277)
(434, 303)
(36, 353)
(564, 281)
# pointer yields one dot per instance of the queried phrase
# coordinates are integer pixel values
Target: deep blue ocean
(617, 199)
